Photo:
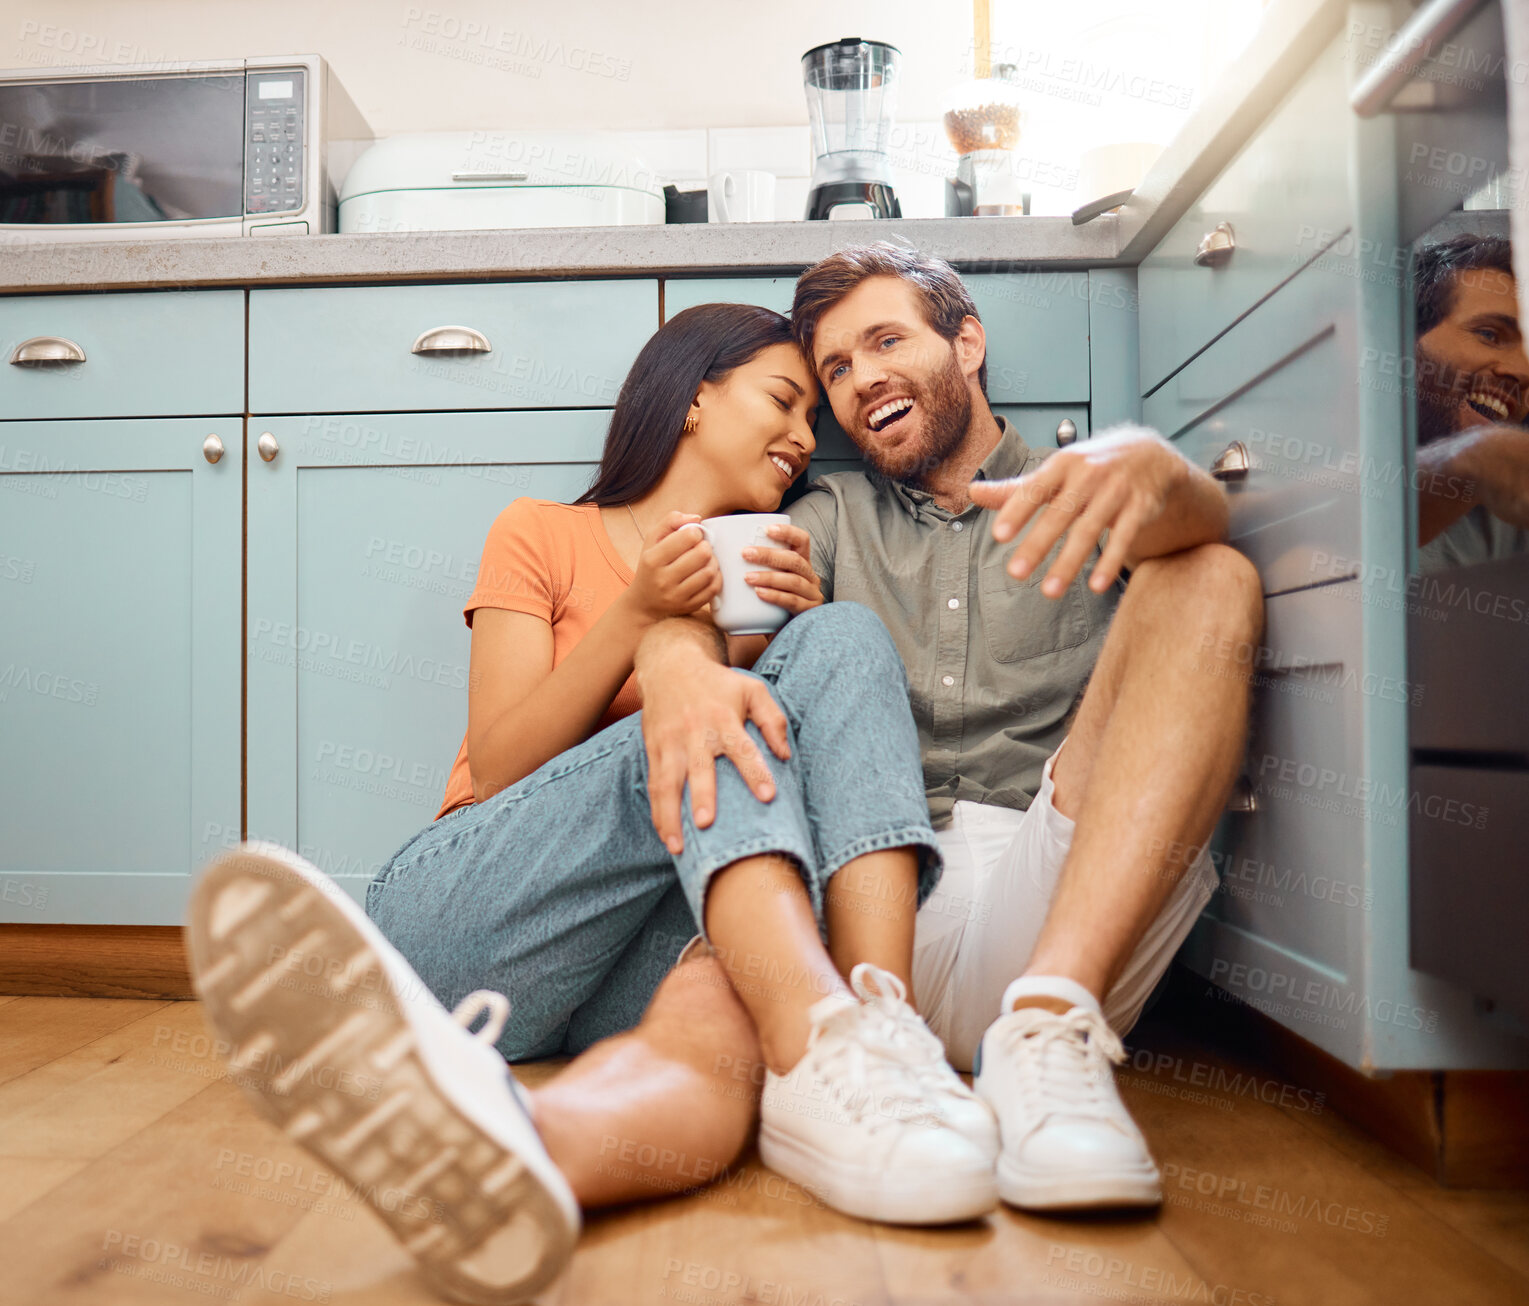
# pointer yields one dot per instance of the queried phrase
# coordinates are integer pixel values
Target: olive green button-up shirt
(994, 667)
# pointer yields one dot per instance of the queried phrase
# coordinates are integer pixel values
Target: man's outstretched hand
(694, 710)
(1130, 482)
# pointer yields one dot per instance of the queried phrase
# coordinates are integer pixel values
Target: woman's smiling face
(754, 428)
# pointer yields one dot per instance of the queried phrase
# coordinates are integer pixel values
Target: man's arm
(1129, 482)
(1486, 464)
(694, 709)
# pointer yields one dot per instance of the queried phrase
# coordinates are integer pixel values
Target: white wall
(435, 66)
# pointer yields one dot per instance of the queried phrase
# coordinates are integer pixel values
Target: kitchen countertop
(1293, 34)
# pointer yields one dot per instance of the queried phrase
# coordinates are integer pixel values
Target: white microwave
(243, 147)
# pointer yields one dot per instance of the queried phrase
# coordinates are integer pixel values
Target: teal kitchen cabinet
(526, 344)
(159, 353)
(119, 661)
(366, 533)
(1275, 366)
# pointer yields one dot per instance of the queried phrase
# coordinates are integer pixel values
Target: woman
(542, 876)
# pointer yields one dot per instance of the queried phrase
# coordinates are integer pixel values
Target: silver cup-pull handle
(266, 446)
(1066, 432)
(1232, 463)
(1243, 798)
(1215, 246)
(212, 448)
(47, 349)
(451, 340)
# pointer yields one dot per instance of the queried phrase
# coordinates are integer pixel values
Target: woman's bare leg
(670, 1104)
(759, 918)
(663, 1107)
(869, 909)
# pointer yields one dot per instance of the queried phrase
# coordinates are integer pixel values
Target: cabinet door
(119, 665)
(365, 536)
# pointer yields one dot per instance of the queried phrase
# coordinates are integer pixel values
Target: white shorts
(977, 930)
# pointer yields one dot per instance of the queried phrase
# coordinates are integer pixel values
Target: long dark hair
(703, 343)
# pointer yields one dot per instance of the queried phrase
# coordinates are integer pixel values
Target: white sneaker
(852, 1124)
(335, 1038)
(956, 1104)
(1068, 1141)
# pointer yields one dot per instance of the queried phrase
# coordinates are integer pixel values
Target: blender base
(875, 195)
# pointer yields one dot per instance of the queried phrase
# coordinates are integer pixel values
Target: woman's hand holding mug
(677, 572)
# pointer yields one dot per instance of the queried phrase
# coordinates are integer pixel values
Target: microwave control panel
(275, 110)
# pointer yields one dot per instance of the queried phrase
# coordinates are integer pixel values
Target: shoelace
(869, 1075)
(906, 1028)
(1064, 1060)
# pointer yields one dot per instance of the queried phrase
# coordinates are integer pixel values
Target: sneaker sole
(868, 1196)
(1049, 1192)
(335, 1061)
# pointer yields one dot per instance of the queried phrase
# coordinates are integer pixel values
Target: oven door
(98, 157)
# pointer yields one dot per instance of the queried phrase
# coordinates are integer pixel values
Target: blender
(851, 88)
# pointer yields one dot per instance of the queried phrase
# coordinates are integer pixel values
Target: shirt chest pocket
(1020, 622)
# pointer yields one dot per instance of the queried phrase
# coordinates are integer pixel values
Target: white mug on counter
(741, 195)
(738, 609)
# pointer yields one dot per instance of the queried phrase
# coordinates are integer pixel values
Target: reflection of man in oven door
(1472, 400)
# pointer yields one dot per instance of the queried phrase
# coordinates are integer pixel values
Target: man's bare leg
(1156, 745)
(663, 1107)
(1144, 773)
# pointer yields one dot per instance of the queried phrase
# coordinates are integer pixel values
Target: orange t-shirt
(553, 561)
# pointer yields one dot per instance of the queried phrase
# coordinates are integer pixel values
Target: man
(1072, 873)
(1472, 399)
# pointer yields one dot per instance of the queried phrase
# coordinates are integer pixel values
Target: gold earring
(690, 423)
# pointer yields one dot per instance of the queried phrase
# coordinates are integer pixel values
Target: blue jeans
(558, 892)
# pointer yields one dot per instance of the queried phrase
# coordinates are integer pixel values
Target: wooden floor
(132, 1171)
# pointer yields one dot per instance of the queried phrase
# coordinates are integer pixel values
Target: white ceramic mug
(741, 196)
(738, 609)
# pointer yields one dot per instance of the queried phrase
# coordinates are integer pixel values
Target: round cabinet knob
(212, 448)
(267, 446)
(1066, 432)
(1216, 246)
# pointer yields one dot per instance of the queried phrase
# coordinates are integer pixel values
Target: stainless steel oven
(222, 148)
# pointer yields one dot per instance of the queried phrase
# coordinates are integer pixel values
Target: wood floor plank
(1012, 1256)
(187, 1195)
(35, 1031)
(1497, 1222)
(1257, 1202)
(152, 1221)
(24, 1179)
(751, 1236)
(84, 1103)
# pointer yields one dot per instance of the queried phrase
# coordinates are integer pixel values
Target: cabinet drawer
(1292, 871)
(563, 344)
(1285, 196)
(161, 353)
(1036, 323)
(1280, 384)
(768, 292)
